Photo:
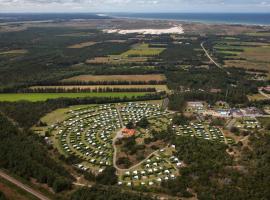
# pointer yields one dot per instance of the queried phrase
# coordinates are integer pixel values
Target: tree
(2, 196)
(61, 184)
(180, 119)
(143, 123)
(108, 176)
(130, 125)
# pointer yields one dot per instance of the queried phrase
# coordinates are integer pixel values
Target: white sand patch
(173, 30)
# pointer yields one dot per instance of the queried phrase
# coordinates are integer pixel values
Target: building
(128, 132)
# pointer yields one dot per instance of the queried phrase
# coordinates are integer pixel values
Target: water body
(213, 18)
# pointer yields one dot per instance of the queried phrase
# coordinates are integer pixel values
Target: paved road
(265, 95)
(212, 60)
(23, 186)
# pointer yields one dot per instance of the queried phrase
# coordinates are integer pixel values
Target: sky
(135, 6)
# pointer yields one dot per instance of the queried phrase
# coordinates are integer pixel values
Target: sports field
(45, 96)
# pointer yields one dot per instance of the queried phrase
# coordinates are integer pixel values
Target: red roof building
(128, 132)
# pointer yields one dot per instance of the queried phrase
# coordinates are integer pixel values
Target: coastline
(189, 21)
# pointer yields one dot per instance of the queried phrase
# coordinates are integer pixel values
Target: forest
(23, 154)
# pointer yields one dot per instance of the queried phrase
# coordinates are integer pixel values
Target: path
(231, 123)
(23, 186)
(264, 94)
(138, 164)
(212, 60)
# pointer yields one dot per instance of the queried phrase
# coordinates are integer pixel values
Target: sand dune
(172, 30)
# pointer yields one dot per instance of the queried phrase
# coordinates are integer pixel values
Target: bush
(61, 184)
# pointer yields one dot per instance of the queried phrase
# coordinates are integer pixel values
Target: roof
(128, 132)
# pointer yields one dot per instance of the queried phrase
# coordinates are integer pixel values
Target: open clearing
(141, 50)
(248, 55)
(138, 53)
(45, 96)
(82, 45)
(257, 97)
(17, 51)
(96, 87)
(130, 78)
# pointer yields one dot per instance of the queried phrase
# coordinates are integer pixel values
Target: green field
(141, 50)
(45, 96)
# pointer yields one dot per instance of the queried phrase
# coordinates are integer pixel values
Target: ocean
(213, 18)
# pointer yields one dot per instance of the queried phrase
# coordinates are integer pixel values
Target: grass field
(141, 50)
(148, 77)
(18, 51)
(45, 96)
(256, 97)
(249, 55)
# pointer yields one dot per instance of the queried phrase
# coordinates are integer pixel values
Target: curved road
(23, 186)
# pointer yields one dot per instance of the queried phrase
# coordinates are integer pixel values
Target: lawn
(44, 96)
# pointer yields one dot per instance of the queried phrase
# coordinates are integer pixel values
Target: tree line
(27, 114)
(85, 90)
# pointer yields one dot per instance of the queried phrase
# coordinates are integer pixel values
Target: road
(138, 164)
(23, 186)
(212, 60)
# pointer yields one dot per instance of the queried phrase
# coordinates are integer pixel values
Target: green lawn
(44, 96)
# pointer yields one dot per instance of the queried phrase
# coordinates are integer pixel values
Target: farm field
(96, 87)
(18, 51)
(248, 55)
(138, 53)
(45, 96)
(107, 78)
(256, 97)
(142, 50)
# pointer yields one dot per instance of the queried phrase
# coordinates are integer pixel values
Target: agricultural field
(257, 97)
(138, 53)
(116, 78)
(33, 97)
(18, 51)
(142, 50)
(243, 54)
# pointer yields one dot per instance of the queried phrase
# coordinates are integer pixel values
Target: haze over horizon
(215, 6)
